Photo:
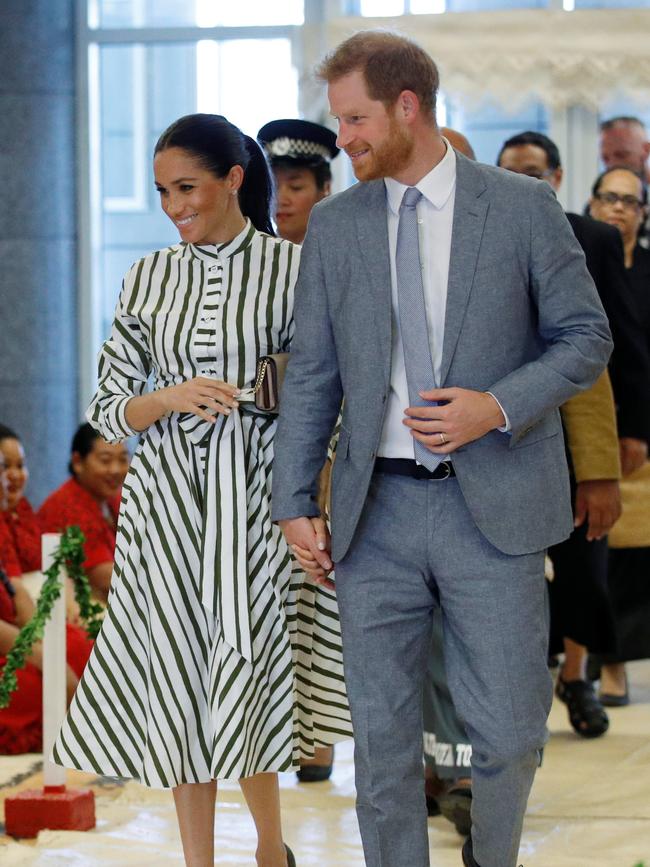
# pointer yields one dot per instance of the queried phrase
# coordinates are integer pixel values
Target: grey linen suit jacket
(523, 320)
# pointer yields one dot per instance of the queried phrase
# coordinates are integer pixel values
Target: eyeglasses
(628, 201)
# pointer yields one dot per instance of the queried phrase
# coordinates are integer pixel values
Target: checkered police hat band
(296, 147)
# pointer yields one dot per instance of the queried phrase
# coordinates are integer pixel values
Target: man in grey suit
(449, 305)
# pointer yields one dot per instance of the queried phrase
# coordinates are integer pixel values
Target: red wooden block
(36, 809)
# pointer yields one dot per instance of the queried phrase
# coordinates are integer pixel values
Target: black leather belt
(405, 467)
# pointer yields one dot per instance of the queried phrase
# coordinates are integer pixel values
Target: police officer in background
(300, 153)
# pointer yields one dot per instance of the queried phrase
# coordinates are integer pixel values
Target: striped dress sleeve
(124, 367)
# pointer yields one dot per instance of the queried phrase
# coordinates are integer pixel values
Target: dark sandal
(315, 773)
(586, 713)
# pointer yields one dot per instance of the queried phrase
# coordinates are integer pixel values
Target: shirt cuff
(506, 427)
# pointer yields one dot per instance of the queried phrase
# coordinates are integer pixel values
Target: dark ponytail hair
(82, 442)
(219, 145)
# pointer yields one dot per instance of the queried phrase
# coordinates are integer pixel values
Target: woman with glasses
(619, 197)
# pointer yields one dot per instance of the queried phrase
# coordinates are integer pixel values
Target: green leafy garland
(69, 556)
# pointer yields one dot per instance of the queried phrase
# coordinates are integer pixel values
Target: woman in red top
(90, 500)
(22, 523)
(21, 722)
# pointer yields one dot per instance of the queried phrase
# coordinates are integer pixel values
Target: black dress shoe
(468, 854)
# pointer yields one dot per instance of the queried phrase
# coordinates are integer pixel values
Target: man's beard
(389, 158)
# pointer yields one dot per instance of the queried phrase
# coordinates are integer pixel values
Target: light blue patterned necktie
(412, 314)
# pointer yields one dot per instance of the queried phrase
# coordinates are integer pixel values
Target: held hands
(463, 417)
(309, 539)
(599, 503)
(198, 395)
(634, 453)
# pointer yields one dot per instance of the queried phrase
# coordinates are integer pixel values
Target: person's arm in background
(590, 425)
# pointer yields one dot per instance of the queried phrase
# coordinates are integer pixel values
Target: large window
(488, 126)
(188, 13)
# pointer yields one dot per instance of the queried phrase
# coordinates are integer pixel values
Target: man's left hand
(463, 416)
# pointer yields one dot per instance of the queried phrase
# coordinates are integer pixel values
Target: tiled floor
(590, 806)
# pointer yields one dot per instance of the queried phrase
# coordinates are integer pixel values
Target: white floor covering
(590, 806)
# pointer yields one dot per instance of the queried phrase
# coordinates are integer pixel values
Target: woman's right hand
(198, 395)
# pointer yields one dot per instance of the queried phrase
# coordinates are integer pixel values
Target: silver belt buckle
(447, 467)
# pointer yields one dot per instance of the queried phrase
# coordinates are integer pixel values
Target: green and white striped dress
(216, 660)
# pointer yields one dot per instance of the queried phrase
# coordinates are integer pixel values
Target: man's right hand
(309, 539)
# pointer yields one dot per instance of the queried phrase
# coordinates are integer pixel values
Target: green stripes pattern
(164, 699)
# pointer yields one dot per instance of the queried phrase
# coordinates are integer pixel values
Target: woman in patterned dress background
(212, 661)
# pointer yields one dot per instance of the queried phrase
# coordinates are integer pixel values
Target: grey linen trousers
(416, 548)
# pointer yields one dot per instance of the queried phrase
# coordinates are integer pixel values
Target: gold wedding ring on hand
(443, 439)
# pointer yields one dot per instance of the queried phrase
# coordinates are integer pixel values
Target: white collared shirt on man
(435, 212)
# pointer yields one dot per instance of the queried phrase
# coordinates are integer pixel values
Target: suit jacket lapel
(470, 211)
(372, 231)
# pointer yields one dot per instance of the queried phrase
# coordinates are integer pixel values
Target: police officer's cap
(300, 140)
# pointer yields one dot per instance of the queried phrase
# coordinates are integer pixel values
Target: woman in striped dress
(214, 662)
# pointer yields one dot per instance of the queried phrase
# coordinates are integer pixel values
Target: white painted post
(54, 670)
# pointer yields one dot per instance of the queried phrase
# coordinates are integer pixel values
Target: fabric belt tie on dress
(223, 579)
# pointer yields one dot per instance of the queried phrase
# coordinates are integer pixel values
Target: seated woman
(90, 500)
(22, 523)
(21, 721)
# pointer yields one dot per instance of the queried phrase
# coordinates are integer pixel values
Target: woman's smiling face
(15, 470)
(199, 204)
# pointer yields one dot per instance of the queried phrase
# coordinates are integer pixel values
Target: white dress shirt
(435, 212)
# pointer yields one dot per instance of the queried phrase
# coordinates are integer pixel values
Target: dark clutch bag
(268, 381)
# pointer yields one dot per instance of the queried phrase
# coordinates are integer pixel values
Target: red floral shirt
(72, 505)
